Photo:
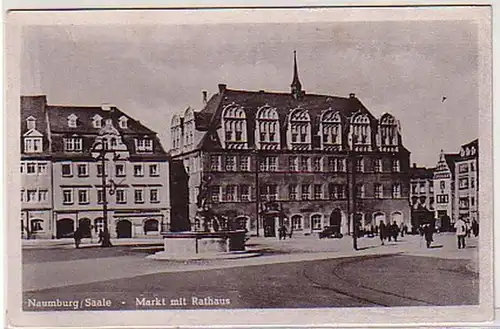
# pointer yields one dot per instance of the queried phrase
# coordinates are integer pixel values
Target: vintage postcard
(249, 167)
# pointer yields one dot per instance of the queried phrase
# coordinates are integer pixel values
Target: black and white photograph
(335, 161)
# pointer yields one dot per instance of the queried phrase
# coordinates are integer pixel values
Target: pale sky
(151, 72)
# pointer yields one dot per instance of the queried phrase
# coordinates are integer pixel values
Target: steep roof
(421, 172)
(35, 107)
(451, 158)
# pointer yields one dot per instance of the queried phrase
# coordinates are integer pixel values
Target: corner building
(68, 174)
(290, 158)
(467, 179)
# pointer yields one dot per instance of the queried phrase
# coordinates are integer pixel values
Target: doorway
(336, 220)
(65, 228)
(124, 229)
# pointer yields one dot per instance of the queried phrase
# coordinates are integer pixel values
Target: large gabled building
(444, 190)
(290, 158)
(467, 182)
(136, 172)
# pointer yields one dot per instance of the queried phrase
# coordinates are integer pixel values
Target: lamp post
(351, 195)
(105, 241)
(257, 189)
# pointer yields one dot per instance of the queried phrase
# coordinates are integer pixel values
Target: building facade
(421, 196)
(444, 190)
(302, 160)
(36, 169)
(85, 143)
(466, 178)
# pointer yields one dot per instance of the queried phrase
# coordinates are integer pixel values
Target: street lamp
(351, 196)
(102, 152)
(257, 188)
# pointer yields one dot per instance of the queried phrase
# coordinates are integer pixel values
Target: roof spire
(296, 85)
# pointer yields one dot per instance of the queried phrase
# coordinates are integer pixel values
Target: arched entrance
(379, 217)
(151, 226)
(397, 217)
(84, 225)
(124, 229)
(65, 228)
(336, 220)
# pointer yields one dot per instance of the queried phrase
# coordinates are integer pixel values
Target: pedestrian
(428, 233)
(78, 237)
(461, 232)
(101, 236)
(285, 231)
(381, 231)
(395, 231)
(402, 230)
(475, 227)
(291, 231)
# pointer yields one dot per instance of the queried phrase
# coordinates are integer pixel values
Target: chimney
(205, 96)
(352, 95)
(222, 87)
(414, 165)
(106, 107)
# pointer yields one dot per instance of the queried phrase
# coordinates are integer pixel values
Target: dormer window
(331, 130)
(235, 130)
(72, 121)
(299, 131)
(267, 134)
(73, 144)
(31, 123)
(123, 122)
(144, 145)
(33, 142)
(97, 121)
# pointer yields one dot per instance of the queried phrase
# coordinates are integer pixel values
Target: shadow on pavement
(437, 246)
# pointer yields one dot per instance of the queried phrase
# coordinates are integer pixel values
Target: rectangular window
(244, 163)
(360, 165)
(297, 222)
(463, 168)
(33, 145)
(31, 196)
(305, 195)
(317, 164)
(332, 164)
(273, 192)
(144, 145)
(463, 203)
(42, 168)
(463, 183)
(230, 163)
(67, 196)
(422, 187)
(377, 165)
(472, 166)
(139, 196)
(442, 185)
(262, 164)
(66, 170)
(138, 170)
(414, 187)
(120, 170)
(318, 194)
(341, 191)
(121, 196)
(229, 135)
(154, 170)
(442, 198)
(263, 193)
(396, 190)
(230, 193)
(316, 222)
(341, 167)
(360, 191)
(395, 166)
(22, 195)
(304, 163)
(293, 162)
(154, 196)
(332, 192)
(99, 170)
(215, 162)
(472, 201)
(472, 182)
(83, 196)
(100, 196)
(30, 168)
(273, 163)
(73, 144)
(244, 193)
(292, 192)
(83, 170)
(215, 193)
(378, 191)
(42, 195)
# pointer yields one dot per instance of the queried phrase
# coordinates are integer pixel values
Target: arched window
(299, 130)
(331, 130)
(235, 127)
(360, 132)
(36, 225)
(188, 127)
(175, 131)
(267, 134)
(388, 131)
(297, 222)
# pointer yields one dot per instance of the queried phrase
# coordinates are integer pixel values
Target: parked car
(330, 232)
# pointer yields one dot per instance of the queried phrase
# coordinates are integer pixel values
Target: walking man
(461, 228)
(381, 231)
(78, 237)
